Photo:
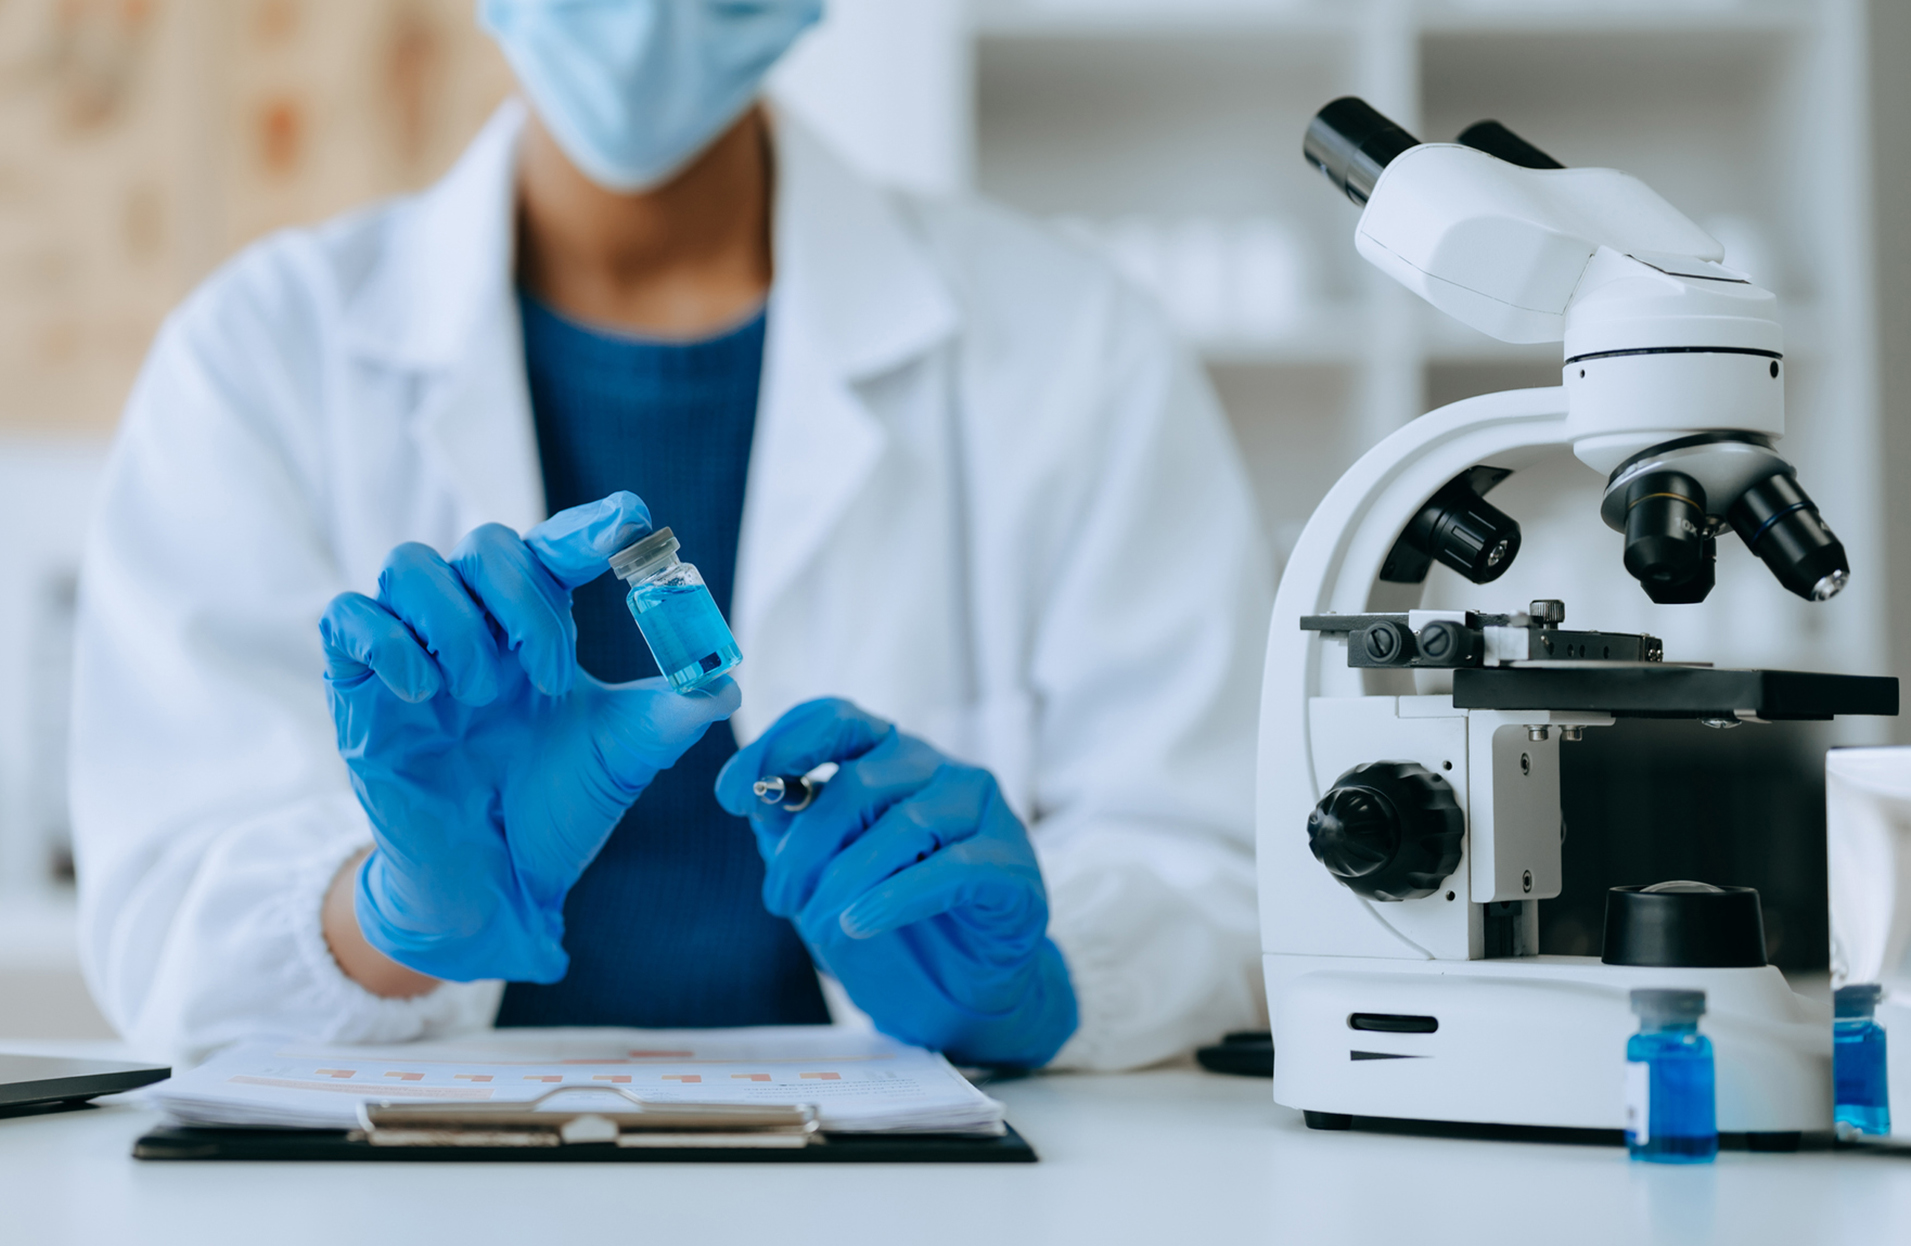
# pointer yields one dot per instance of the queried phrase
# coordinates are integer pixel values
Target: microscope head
(1673, 363)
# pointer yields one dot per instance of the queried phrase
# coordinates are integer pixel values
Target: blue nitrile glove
(492, 767)
(911, 881)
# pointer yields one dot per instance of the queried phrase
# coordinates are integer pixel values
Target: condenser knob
(1389, 830)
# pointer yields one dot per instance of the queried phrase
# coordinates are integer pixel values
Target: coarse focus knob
(1389, 830)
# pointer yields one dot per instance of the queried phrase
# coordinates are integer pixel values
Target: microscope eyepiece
(1496, 140)
(1782, 526)
(1666, 536)
(1351, 143)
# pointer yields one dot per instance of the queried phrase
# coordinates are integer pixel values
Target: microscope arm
(1334, 569)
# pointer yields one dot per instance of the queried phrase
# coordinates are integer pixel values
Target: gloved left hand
(913, 883)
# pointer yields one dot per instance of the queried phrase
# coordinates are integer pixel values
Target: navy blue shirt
(667, 925)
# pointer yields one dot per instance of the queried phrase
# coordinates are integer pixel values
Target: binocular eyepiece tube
(1351, 142)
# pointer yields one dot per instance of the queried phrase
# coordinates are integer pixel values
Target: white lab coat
(989, 498)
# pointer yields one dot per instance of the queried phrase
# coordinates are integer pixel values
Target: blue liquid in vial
(1858, 1077)
(687, 635)
(1681, 1124)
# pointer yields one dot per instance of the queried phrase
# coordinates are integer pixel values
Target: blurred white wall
(1891, 138)
(47, 490)
(887, 82)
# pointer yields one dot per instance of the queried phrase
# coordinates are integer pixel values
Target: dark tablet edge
(77, 1089)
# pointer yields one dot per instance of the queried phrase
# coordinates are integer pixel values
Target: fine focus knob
(1389, 830)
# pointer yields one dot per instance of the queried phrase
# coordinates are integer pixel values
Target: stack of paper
(859, 1082)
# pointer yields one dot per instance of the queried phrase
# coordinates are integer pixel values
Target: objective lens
(1782, 526)
(1351, 143)
(1665, 529)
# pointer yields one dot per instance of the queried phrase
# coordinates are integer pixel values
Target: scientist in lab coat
(972, 514)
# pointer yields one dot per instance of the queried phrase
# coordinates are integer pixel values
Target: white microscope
(1408, 810)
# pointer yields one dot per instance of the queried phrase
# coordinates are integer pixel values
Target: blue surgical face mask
(633, 90)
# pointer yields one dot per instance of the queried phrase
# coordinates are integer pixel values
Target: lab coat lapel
(855, 297)
(442, 306)
(474, 423)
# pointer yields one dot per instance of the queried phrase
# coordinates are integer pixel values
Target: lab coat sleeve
(1146, 670)
(210, 808)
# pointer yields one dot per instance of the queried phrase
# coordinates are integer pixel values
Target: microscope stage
(1664, 690)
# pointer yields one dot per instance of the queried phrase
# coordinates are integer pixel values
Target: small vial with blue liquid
(681, 623)
(1671, 1115)
(1861, 1104)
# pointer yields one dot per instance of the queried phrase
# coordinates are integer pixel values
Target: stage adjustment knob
(1389, 830)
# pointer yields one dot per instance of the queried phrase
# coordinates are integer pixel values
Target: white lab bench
(1173, 1155)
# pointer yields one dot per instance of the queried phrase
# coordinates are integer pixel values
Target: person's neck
(684, 260)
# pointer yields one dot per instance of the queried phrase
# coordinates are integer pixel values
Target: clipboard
(635, 1131)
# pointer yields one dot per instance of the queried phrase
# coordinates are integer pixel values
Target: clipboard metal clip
(542, 1123)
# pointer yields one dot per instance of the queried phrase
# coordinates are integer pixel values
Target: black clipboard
(179, 1142)
(626, 1129)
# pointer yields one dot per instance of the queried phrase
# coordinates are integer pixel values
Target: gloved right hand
(492, 767)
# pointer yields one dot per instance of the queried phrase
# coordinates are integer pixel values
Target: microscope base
(1536, 1041)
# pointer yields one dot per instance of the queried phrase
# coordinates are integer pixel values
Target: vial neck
(651, 570)
(1682, 1026)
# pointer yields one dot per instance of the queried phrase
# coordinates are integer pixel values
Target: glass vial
(1670, 1100)
(1862, 1104)
(685, 630)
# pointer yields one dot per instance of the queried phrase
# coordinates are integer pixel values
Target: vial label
(1638, 1102)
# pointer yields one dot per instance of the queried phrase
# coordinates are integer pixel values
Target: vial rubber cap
(1663, 1004)
(1859, 1001)
(634, 562)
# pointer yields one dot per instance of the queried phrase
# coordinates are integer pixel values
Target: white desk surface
(1172, 1155)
